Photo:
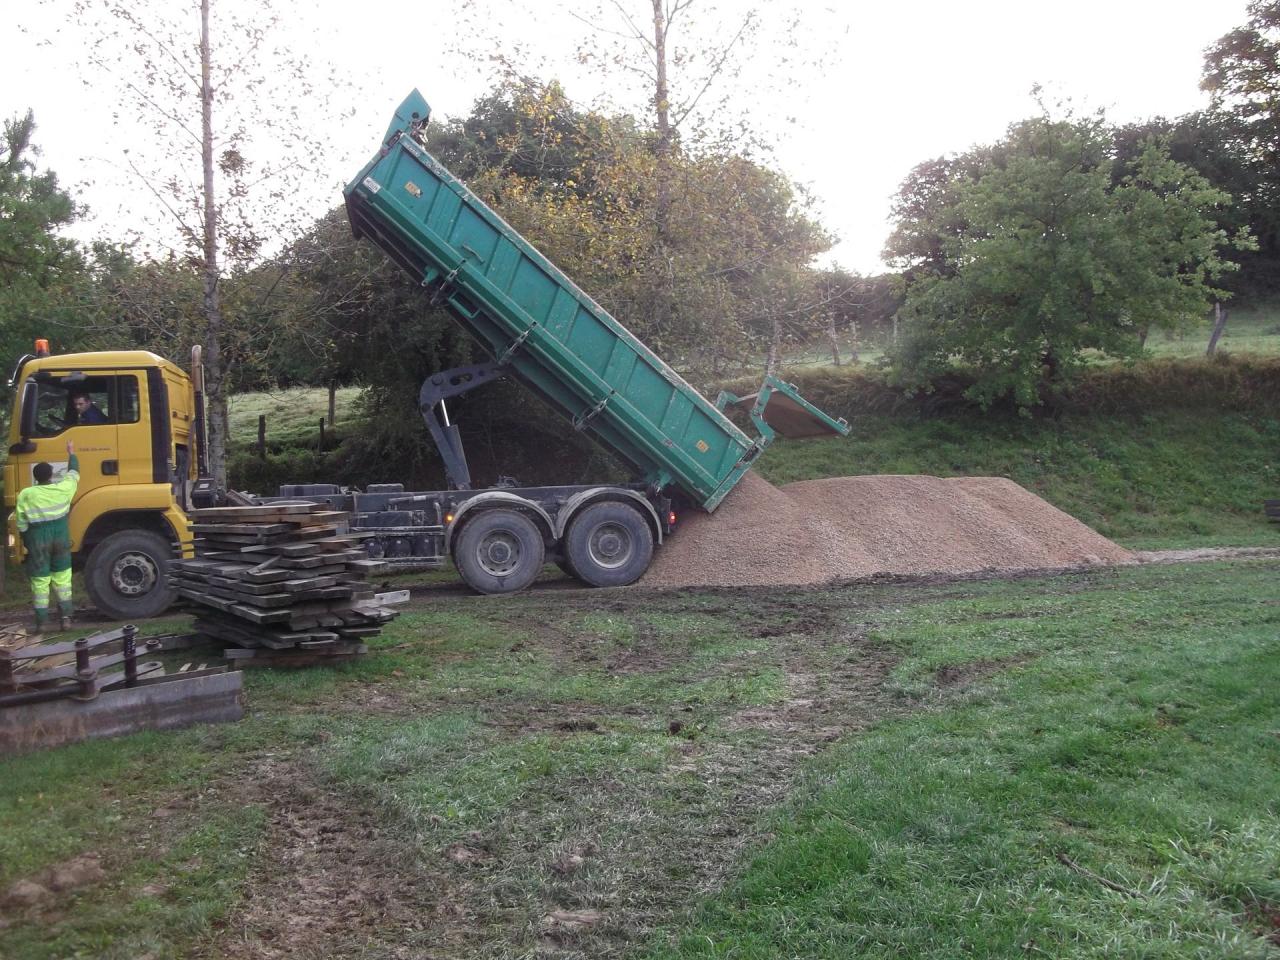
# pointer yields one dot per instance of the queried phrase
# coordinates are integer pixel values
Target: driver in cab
(87, 414)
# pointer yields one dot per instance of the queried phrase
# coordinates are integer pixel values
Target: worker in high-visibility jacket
(42, 512)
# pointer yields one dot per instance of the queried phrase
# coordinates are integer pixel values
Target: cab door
(135, 415)
(50, 419)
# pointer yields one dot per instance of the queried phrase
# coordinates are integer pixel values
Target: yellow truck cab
(137, 440)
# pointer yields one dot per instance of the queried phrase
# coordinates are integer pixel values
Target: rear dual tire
(608, 544)
(499, 551)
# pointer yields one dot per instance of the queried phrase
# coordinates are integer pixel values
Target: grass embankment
(886, 770)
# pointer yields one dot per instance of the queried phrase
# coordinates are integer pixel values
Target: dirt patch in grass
(591, 859)
(1206, 554)
(328, 882)
(964, 674)
(1264, 919)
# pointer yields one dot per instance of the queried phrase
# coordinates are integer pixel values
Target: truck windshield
(87, 401)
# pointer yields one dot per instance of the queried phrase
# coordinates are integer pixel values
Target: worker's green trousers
(49, 564)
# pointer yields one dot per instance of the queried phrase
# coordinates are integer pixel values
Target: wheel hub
(499, 553)
(134, 574)
(610, 545)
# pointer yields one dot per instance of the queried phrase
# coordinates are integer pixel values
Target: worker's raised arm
(71, 479)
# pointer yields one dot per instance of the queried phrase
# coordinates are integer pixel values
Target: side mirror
(23, 446)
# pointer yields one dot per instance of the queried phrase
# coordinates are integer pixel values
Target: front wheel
(127, 575)
(609, 544)
(500, 551)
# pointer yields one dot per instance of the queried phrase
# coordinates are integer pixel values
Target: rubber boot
(42, 621)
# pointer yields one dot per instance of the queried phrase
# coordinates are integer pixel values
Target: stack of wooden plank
(283, 582)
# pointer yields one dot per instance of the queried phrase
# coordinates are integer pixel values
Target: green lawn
(1251, 329)
(293, 415)
(967, 768)
(1254, 330)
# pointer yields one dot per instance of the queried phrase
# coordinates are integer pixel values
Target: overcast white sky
(901, 82)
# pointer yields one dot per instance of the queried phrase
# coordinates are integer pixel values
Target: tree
(673, 65)
(1242, 75)
(229, 108)
(583, 185)
(38, 266)
(1217, 145)
(1045, 255)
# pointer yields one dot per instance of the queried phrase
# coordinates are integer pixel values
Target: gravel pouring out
(845, 528)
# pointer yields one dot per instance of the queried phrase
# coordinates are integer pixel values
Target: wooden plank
(260, 616)
(224, 530)
(284, 550)
(215, 514)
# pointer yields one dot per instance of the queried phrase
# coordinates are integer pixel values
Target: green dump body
(536, 322)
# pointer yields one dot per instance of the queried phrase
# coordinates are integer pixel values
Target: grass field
(1071, 767)
(1253, 330)
(1250, 329)
(293, 415)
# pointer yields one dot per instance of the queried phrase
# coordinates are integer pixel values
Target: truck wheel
(609, 544)
(500, 551)
(127, 575)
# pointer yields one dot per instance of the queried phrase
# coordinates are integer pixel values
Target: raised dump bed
(548, 333)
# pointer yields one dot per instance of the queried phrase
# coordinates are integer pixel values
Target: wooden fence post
(262, 436)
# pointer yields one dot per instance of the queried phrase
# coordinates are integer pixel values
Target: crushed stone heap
(845, 528)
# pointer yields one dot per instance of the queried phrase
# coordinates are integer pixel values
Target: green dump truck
(545, 332)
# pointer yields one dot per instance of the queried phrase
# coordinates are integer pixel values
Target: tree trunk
(1142, 337)
(664, 280)
(662, 110)
(833, 339)
(853, 338)
(1219, 325)
(215, 378)
(774, 357)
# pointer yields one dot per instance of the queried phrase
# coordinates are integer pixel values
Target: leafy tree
(1217, 145)
(1043, 255)
(229, 106)
(39, 268)
(1242, 75)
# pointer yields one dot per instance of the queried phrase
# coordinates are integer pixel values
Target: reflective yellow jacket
(48, 501)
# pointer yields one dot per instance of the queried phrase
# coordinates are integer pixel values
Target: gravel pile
(844, 528)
